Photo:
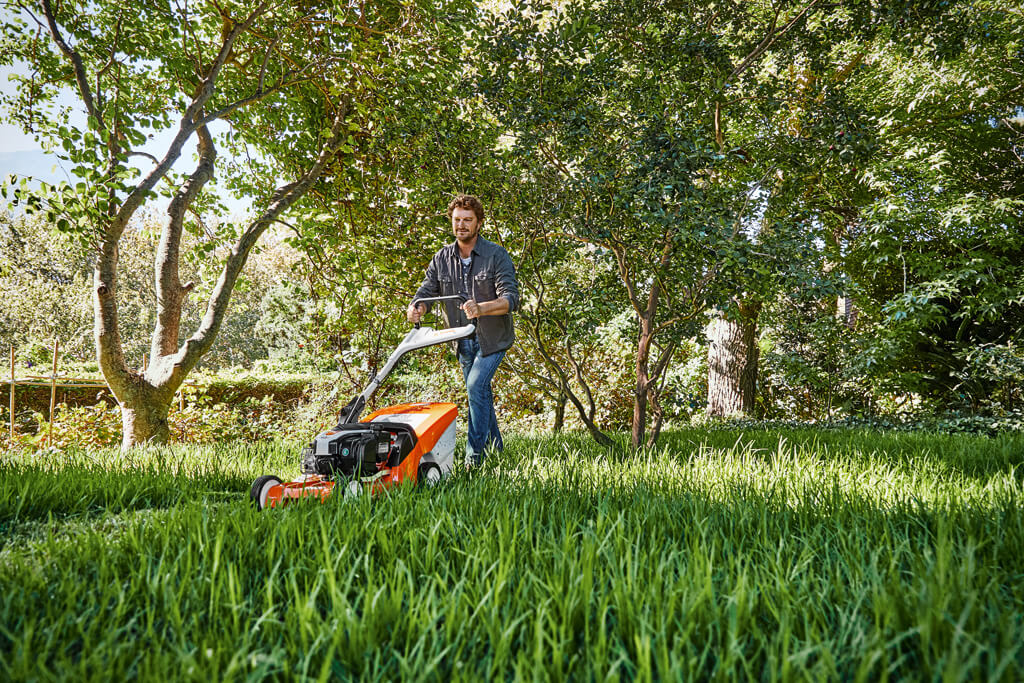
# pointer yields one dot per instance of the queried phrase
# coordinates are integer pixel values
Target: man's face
(465, 226)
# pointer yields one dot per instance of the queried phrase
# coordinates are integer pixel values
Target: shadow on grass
(40, 492)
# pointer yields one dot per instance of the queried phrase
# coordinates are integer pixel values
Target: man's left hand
(471, 309)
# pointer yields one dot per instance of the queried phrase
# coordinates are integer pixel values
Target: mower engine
(361, 449)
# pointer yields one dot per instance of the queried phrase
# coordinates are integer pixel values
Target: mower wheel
(429, 474)
(261, 489)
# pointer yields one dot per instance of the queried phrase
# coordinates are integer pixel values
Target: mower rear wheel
(429, 474)
(261, 489)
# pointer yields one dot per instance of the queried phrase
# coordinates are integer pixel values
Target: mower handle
(416, 302)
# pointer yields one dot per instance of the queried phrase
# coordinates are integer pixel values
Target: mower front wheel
(261, 489)
(429, 474)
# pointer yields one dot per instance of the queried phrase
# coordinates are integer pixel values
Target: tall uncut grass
(722, 555)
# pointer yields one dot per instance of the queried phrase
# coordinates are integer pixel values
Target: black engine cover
(359, 449)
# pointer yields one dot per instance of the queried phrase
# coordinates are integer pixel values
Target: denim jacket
(490, 275)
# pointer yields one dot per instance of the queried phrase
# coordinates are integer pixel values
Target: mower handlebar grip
(416, 302)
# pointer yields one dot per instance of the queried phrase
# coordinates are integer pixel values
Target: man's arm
(499, 306)
(506, 288)
(505, 284)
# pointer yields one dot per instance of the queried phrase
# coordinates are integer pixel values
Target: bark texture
(643, 378)
(733, 363)
(846, 311)
(560, 403)
(146, 423)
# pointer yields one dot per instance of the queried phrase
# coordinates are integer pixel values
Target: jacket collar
(481, 247)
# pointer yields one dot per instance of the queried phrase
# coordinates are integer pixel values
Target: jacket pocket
(484, 287)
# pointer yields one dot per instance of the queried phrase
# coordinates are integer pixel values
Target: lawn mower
(408, 443)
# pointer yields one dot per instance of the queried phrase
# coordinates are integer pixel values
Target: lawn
(795, 555)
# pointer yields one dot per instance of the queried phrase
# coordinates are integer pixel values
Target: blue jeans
(477, 371)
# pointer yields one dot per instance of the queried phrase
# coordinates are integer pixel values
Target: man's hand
(414, 313)
(471, 309)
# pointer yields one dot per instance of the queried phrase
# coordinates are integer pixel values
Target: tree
(922, 191)
(290, 82)
(641, 118)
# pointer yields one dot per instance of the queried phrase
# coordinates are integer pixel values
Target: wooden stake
(53, 392)
(143, 362)
(12, 394)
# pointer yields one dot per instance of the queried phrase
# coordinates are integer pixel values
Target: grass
(793, 555)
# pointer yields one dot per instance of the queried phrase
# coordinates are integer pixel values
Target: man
(483, 273)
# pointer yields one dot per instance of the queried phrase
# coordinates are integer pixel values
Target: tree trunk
(732, 363)
(657, 422)
(846, 311)
(560, 412)
(643, 355)
(145, 423)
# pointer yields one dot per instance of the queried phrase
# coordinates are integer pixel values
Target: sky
(20, 153)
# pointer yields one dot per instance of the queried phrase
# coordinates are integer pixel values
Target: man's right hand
(414, 313)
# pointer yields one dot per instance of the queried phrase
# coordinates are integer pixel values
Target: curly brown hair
(467, 201)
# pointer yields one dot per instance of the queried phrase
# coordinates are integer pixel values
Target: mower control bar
(416, 302)
(417, 338)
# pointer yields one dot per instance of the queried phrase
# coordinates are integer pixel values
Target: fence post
(53, 393)
(12, 394)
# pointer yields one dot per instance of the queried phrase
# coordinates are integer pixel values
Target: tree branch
(169, 291)
(279, 85)
(578, 371)
(146, 155)
(770, 39)
(283, 198)
(189, 122)
(81, 77)
(663, 360)
(627, 280)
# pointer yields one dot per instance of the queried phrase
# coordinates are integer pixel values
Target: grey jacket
(490, 275)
